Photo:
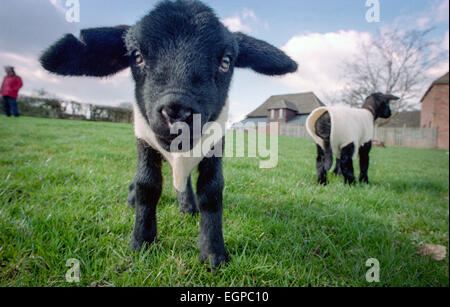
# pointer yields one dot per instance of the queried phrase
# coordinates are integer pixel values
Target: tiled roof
(303, 103)
(441, 81)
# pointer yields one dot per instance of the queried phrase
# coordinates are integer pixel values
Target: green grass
(63, 186)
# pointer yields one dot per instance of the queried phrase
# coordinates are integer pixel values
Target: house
(291, 108)
(435, 110)
(407, 119)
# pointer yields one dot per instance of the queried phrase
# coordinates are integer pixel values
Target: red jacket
(11, 86)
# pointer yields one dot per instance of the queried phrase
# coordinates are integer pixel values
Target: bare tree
(393, 62)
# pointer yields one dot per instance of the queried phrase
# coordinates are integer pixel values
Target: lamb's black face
(382, 104)
(379, 105)
(182, 59)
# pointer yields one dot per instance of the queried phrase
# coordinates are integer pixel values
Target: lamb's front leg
(209, 191)
(147, 188)
(187, 200)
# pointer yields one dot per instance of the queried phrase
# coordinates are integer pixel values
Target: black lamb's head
(379, 104)
(182, 60)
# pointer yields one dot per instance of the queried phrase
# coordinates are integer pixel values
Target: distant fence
(54, 108)
(408, 137)
(296, 131)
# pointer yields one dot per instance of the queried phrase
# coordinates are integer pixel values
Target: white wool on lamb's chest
(348, 125)
(182, 163)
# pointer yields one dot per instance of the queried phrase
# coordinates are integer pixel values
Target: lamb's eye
(138, 58)
(225, 64)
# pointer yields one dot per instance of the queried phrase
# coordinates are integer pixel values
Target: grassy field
(63, 186)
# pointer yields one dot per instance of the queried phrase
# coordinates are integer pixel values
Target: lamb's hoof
(337, 173)
(139, 245)
(364, 180)
(214, 261)
(350, 181)
(322, 182)
(136, 245)
(188, 203)
(189, 209)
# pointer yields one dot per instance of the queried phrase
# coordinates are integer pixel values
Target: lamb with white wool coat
(346, 132)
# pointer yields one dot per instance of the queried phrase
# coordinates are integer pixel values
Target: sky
(319, 35)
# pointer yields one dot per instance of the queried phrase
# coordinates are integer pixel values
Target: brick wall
(435, 113)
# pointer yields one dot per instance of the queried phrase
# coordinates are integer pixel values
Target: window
(272, 114)
(280, 114)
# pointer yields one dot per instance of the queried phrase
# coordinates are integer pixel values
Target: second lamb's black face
(182, 60)
(382, 104)
(379, 104)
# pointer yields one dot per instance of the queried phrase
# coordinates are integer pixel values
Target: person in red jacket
(10, 91)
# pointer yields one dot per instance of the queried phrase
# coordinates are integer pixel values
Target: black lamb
(182, 60)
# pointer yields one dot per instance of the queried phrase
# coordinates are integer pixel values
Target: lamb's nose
(176, 113)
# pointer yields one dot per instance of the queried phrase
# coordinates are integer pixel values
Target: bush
(53, 108)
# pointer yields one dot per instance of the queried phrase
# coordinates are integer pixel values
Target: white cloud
(238, 111)
(445, 42)
(108, 91)
(249, 14)
(423, 22)
(437, 12)
(29, 68)
(320, 58)
(442, 11)
(244, 21)
(441, 68)
(58, 4)
(437, 71)
(236, 24)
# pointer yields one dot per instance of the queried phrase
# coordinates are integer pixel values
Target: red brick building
(435, 110)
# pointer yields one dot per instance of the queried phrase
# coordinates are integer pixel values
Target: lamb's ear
(99, 52)
(262, 57)
(391, 97)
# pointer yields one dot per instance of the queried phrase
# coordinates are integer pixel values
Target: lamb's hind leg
(337, 169)
(324, 162)
(324, 155)
(364, 162)
(187, 200)
(346, 163)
